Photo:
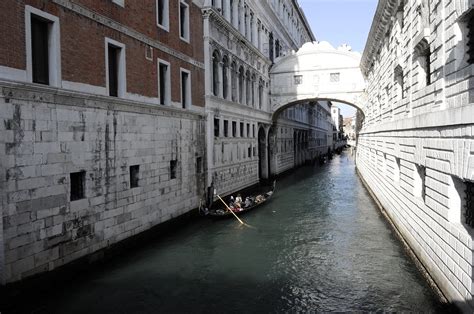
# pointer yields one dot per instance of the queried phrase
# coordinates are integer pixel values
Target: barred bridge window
(469, 204)
(470, 39)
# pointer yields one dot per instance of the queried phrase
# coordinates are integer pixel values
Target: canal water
(319, 245)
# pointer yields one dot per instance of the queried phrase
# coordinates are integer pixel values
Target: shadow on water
(320, 244)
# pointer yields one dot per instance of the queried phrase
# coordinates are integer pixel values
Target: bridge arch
(318, 71)
(282, 107)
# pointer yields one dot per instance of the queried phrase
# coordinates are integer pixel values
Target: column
(247, 24)
(259, 36)
(254, 32)
(244, 89)
(226, 9)
(235, 14)
(229, 82)
(242, 17)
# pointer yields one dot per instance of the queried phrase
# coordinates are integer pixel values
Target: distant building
(349, 126)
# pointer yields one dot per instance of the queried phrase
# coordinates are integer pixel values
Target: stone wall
(415, 149)
(46, 134)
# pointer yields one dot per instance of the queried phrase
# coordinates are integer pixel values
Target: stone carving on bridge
(317, 71)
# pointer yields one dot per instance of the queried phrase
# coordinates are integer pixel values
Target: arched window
(241, 84)
(260, 94)
(215, 72)
(233, 79)
(225, 78)
(248, 88)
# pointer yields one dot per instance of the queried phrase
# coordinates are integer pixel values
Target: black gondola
(255, 201)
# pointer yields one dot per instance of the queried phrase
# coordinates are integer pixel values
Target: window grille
(469, 204)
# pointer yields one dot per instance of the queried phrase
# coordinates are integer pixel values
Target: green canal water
(320, 244)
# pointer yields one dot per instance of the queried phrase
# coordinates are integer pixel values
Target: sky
(340, 22)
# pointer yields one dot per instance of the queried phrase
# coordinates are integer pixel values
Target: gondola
(255, 201)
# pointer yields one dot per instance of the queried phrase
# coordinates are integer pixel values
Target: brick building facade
(102, 134)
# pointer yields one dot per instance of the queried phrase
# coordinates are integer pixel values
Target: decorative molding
(382, 20)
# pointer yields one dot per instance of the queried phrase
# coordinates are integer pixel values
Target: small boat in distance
(241, 206)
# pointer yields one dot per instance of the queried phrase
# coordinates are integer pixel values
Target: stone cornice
(386, 9)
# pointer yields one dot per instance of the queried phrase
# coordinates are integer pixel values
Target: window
(334, 77)
(115, 62)
(271, 47)
(248, 129)
(43, 51)
(249, 152)
(215, 73)
(173, 167)
(260, 94)
(78, 185)
(113, 53)
(134, 175)
(419, 181)
(241, 129)
(164, 87)
(184, 21)
(469, 203)
(185, 89)
(40, 50)
(199, 165)
(470, 39)
(216, 127)
(241, 85)
(399, 83)
(423, 55)
(225, 78)
(234, 129)
(233, 80)
(396, 170)
(162, 14)
(226, 128)
(253, 130)
(298, 79)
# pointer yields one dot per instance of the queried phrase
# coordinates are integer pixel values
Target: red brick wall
(12, 38)
(83, 43)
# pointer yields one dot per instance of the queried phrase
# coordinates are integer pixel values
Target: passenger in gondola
(248, 202)
(238, 200)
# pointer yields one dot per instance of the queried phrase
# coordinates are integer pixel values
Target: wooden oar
(228, 208)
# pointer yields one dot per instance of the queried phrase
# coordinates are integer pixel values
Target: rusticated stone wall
(416, 146)
(46, 134)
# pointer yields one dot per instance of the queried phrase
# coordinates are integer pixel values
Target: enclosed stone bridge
(317, 71)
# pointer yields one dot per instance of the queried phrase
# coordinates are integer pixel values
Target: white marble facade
(415, 149)
(242, 40)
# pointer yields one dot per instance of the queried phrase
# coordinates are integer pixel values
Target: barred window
(469, 203)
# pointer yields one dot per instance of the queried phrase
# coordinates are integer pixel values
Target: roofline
(303, 17)
(381, 21)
